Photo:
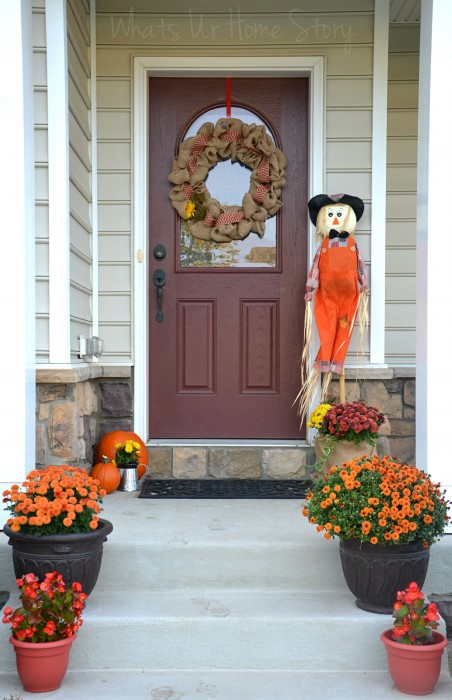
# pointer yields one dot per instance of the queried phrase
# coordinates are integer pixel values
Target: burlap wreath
(247, 144)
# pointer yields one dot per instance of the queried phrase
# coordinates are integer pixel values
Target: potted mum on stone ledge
(43, 628)
(345, 430)
(386, 516)
(55, 524)
(414, 648)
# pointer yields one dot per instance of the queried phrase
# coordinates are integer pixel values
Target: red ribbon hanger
(228, 98)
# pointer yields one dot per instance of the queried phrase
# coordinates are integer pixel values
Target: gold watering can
(129, 477)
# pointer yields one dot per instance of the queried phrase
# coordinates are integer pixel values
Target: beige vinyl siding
(115, 222)
(401, 194)
(79, 176)
(79, 74)
(41, 181)
(126, 29)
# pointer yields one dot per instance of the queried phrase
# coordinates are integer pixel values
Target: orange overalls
(336, 302)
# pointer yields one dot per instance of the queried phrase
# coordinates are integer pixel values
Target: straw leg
(342, 386)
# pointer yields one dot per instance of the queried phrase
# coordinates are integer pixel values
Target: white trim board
(379, 147)
(433, 270)
(94, 170)
(59, 204)
(265, 444)
(189, 66)
(17, 302)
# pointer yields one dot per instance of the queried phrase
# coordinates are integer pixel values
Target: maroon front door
(225, 360)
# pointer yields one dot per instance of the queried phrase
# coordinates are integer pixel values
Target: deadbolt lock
(159, 251)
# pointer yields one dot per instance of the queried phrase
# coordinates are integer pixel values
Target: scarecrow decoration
(338, 283)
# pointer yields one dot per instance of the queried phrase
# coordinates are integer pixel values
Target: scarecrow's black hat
(321, 200)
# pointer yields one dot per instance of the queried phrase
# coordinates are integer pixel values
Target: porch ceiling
(401, 11)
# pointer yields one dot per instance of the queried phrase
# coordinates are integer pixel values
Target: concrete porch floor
(221, 685)
(224, 599)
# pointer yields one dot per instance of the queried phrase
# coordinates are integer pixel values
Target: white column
(17, 346)
(434, 244)
(58, 140)
(94, 190)
(378, 203)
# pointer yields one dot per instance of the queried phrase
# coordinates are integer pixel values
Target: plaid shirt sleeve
(313, 277)
(362, 272)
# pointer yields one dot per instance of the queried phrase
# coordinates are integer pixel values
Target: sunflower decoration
(190, 209)
(195, 209)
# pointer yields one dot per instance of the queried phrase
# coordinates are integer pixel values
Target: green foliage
(327, 449)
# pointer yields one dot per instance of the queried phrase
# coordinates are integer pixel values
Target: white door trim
(191, 66)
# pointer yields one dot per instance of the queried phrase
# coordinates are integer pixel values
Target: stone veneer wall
(75, 407)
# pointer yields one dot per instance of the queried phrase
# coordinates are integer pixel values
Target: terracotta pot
(42, 665)
(414, 669)
(76, 556)
(374, 573)
(343, 451)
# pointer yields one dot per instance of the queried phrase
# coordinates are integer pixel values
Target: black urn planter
(76, 556)
(374, 573)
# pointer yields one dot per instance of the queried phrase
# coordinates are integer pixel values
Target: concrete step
(122, 684)
(232, 629)
(289, 630)
(244, 565)
(234, 600)
(218, 543)
(214, 543)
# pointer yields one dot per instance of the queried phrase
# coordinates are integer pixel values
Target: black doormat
(4, 595)
(224, 488)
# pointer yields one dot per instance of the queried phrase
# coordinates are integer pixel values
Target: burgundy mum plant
(352, 421)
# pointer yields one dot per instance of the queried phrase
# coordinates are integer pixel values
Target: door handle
(159, 280)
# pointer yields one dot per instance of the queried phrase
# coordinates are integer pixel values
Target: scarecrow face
(336, 216)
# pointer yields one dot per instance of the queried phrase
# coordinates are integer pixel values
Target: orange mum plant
(54, 500)
(380, 501)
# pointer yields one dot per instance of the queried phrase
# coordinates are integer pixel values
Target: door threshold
(157, 442)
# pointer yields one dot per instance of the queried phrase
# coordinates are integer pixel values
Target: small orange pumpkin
(108, 474)
(107, 445)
